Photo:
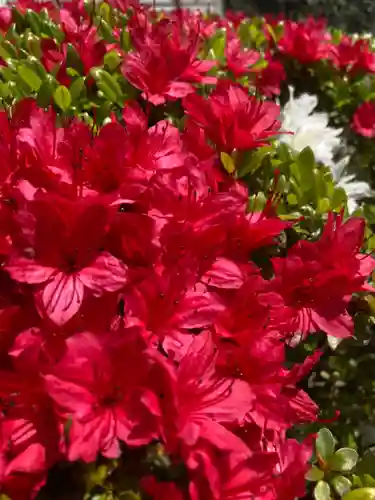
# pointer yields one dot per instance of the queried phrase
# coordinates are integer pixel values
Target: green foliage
(339, 473)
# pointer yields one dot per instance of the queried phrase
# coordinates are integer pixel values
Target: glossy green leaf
(322, 491)
(227, 162)
(130, 495)
(105, 12)
(29, 77)
(7, 52)
(125, 40)
(325, 444)
(107, 84)
(32, 18)
(253, 161)
(62, 97)
(77, 88)
(314, 474)
(306, 164)
(44, 96)
(361, 494)
(324, 205)
(339, 198)
(341, 485)
(112, 59)
(344, 460)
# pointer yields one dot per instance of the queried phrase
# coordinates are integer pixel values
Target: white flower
(355, 190)
(309, 128)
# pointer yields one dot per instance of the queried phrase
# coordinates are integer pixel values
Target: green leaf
(217, 45)
(341, 485)
(5, 91)
(292, 199)
(322, 491)
(284, 152)
(249, 165)
(339, 198)
(6, 52)
(227, 162)
(125, 40)
(105, 31)
(325, 444)
(361, 494)
(34, 21)
(306, 165)
(76, 88)
(344, 460)
(306, 158)
(107, 84)
(130, 495)
(324, 205)
(62, 97)
(368, 480)
(45, 95)
(105, 12)
(29, 77)
(112, 60)
(314, 474)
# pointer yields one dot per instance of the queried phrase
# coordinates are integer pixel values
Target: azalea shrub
(185, 244)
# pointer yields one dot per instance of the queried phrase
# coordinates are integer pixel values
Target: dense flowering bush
(169, 234)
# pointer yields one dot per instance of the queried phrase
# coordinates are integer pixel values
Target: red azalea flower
(355, 56)
(164, 307)
(51, 158)
(232, 119)
(235, 18)
(166, 66)
(71, 261)
(364, 120)
(81, 39)
(37, 6)
(290, 474)
(238, 60)
(153, 149)
(124, 5)
(306, 41)
(6, 18)
(229, 471)
(269, 79)
(29, 434)
(160, 490)
(198, 401)
(317, 279)
(103, 384)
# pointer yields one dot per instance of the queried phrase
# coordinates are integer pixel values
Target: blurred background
(351, 16)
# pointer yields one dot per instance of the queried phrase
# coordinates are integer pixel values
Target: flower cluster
(135, 311)
(132, 310)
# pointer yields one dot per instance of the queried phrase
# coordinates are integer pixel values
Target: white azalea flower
(355, 190)
(311, 129)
